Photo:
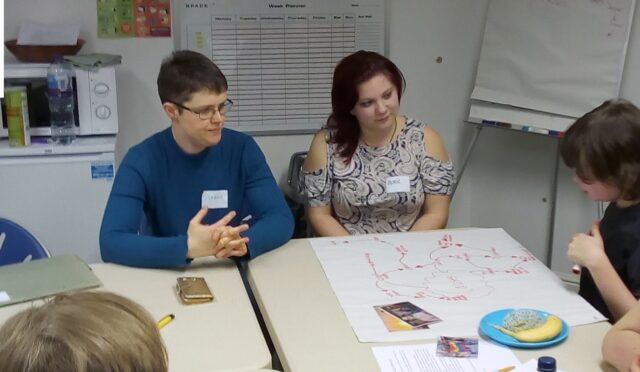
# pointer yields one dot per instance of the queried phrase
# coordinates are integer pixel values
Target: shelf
(38, 147)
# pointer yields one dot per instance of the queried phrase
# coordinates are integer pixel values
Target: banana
(548, 330)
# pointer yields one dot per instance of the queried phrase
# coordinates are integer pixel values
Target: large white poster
(457, 275)
(559, 56)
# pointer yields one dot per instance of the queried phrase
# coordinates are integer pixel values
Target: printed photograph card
(458, 347)
(405, 316)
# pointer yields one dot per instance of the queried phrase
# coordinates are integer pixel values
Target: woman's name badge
(215, 199)
(398, 184)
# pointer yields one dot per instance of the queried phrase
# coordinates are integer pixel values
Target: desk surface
(311, 332)
(220, 336)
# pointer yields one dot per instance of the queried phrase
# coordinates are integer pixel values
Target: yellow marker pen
(165, 320)
(507, 369)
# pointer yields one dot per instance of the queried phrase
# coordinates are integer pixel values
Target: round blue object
(497, 317)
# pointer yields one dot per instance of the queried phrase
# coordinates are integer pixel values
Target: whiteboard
(279, 57)
(562, 57)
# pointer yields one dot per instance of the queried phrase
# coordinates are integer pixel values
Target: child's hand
(587, 250)
(635, 366)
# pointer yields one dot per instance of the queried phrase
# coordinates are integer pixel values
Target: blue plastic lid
(58, 57)
(546, 364)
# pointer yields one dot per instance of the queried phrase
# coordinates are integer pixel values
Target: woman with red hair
(371, 169)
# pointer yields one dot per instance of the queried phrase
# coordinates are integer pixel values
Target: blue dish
(496, 317)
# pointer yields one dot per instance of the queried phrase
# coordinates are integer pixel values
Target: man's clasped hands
(218, 239)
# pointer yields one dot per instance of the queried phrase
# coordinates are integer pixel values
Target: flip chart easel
(482, 123)
(544, 63)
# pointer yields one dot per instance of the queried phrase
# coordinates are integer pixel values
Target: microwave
(96, 104)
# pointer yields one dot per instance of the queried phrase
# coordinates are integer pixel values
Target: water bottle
(61, 101)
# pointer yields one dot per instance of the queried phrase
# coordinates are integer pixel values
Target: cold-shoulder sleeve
(438, 176)
(316, 186)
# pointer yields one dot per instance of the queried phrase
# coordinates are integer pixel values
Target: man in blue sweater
(193, 182)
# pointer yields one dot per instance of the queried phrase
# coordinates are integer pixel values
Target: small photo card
(409, 316)
(458, 347)
(392, 323)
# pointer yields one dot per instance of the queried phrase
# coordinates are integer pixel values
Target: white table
(311, 332)
(223, 335)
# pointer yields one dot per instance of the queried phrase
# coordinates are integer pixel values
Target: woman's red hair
(350, 72)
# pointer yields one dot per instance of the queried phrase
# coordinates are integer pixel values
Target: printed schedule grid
(280, 68)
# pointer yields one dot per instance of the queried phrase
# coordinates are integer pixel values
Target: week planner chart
(279, 57)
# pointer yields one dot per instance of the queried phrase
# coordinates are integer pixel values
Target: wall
(508, 182)
(419, 31)
(438, 93)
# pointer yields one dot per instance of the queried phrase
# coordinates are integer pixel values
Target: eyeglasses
(210, 111)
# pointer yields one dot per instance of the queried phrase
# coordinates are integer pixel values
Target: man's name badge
(398, 184)
(215, 199)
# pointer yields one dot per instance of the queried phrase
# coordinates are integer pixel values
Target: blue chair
(18, 245)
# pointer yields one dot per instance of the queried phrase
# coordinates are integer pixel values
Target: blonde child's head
(82, 331)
